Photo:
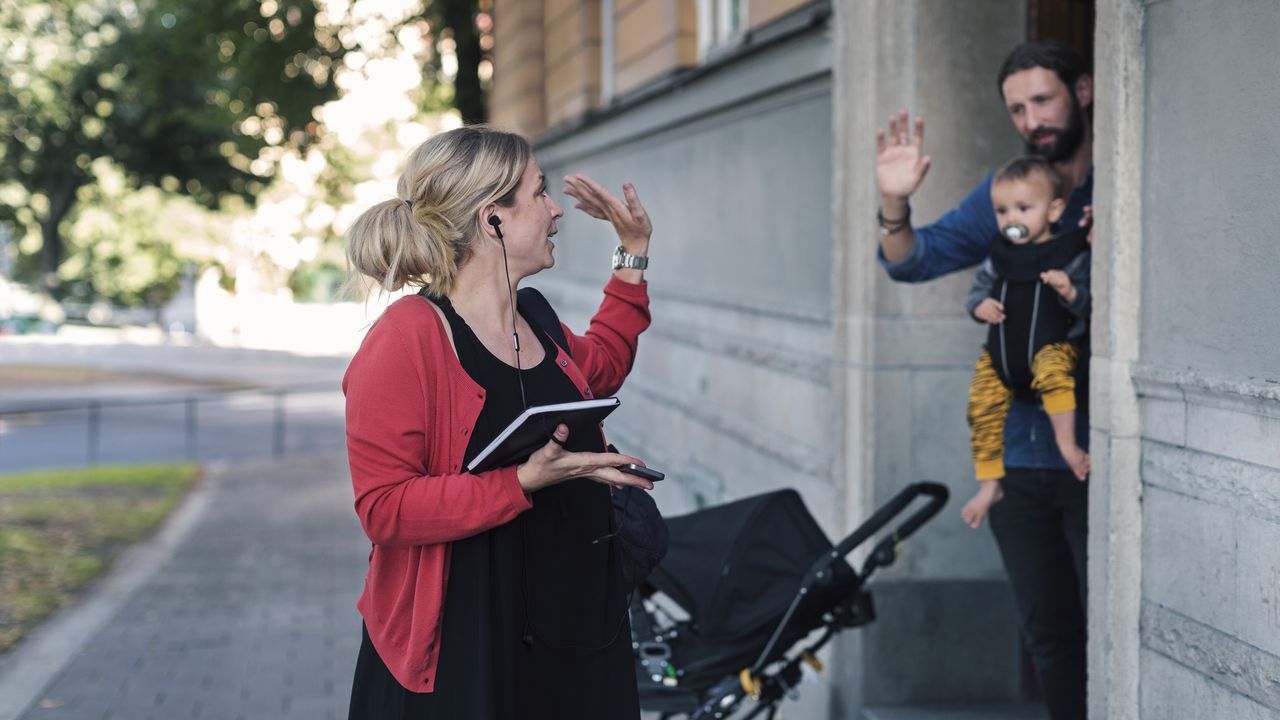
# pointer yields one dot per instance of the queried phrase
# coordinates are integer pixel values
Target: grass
(60, 529)
(20, 375)
(51, 375)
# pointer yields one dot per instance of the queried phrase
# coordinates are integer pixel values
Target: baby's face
(1028, 202)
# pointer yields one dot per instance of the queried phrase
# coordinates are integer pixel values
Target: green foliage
(121, 119)
(191, 96)
(132, 246)
(317, 281)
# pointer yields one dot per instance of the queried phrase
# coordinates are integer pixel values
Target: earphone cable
(515, 335)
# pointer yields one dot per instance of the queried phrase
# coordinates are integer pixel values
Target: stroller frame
(777, 671)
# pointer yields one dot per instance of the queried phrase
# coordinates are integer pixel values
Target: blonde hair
(423, 236)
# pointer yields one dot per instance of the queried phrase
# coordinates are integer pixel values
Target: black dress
(535, 618)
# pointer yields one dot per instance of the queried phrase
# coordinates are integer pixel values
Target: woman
(486, 596)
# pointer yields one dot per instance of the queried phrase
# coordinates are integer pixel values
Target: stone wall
(1185, 515)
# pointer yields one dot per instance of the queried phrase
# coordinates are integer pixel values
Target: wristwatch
(623, 259)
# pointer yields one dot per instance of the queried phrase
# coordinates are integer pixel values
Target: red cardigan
(410, 411)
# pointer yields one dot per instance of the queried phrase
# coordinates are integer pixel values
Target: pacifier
(1016, 232)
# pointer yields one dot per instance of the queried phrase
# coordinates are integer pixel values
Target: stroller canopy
(736, 567)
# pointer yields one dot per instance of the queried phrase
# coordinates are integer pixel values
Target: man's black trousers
(1040, 526)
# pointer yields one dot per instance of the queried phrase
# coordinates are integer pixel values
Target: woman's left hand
(629, 218)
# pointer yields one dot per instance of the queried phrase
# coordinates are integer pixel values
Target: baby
(1033, 292)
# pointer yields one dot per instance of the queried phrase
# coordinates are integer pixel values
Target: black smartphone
(641, 471)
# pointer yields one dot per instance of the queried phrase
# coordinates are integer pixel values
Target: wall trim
(810, 367)
(769, 68)
(1249, 395)
(1246, 488)
(805, 460)
(1225, 659)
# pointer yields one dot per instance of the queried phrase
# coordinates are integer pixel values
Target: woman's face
(527, 225)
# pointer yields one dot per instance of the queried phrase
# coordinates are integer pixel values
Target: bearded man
(1040, 523)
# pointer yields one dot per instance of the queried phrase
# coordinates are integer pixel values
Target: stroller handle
(937, 494)
(884, 554)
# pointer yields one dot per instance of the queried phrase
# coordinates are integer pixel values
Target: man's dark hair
(1062, 60)
(1028, 166)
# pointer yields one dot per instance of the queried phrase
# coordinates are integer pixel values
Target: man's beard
(1066, 141)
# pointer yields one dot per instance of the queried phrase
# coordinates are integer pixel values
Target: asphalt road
(166, 403)
(233, 426)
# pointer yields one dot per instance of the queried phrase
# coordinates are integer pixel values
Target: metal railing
(17, 417)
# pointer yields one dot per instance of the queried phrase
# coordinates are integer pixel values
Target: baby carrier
(1034, 317)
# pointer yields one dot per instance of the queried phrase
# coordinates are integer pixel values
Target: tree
(131, 246)
(193, 96)
(468, 24)
(460, 16)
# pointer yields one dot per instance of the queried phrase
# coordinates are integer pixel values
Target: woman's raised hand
(628, 218)
(553, 464)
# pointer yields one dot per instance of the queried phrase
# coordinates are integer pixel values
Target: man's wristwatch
(625, 260)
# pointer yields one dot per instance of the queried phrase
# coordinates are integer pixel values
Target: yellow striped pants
(1053, 377)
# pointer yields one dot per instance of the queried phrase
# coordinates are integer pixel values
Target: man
(1040, 523)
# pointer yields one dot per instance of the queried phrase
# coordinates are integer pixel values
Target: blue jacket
(961, 238)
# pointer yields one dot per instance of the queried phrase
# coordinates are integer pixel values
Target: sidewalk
(245, 608)
(241, 608)
(198, 363)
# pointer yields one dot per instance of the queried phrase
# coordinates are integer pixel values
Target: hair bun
(446, 181)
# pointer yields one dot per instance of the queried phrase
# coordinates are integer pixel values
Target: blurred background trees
(141, 140)
(467, 26)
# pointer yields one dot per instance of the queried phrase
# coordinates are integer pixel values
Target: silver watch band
(623, 260)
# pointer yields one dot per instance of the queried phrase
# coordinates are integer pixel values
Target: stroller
(752, 580)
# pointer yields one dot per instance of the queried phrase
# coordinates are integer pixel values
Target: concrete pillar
(902, 354)
(852, 283)
(1115, 492)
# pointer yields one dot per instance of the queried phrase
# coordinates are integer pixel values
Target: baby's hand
(990, 311)
(975, 511)
(1060, 282)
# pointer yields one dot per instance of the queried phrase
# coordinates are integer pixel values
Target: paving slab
(1025, 711)
(249, 613)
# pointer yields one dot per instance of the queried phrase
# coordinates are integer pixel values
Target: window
(719, 22)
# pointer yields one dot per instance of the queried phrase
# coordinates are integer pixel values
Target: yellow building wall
(547, 53)
(517, 101)
(572, 41)
(651, 39)
(760, 12)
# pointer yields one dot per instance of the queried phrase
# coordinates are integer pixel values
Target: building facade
(781, 354)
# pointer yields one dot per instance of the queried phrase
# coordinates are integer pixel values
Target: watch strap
(623, 260)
